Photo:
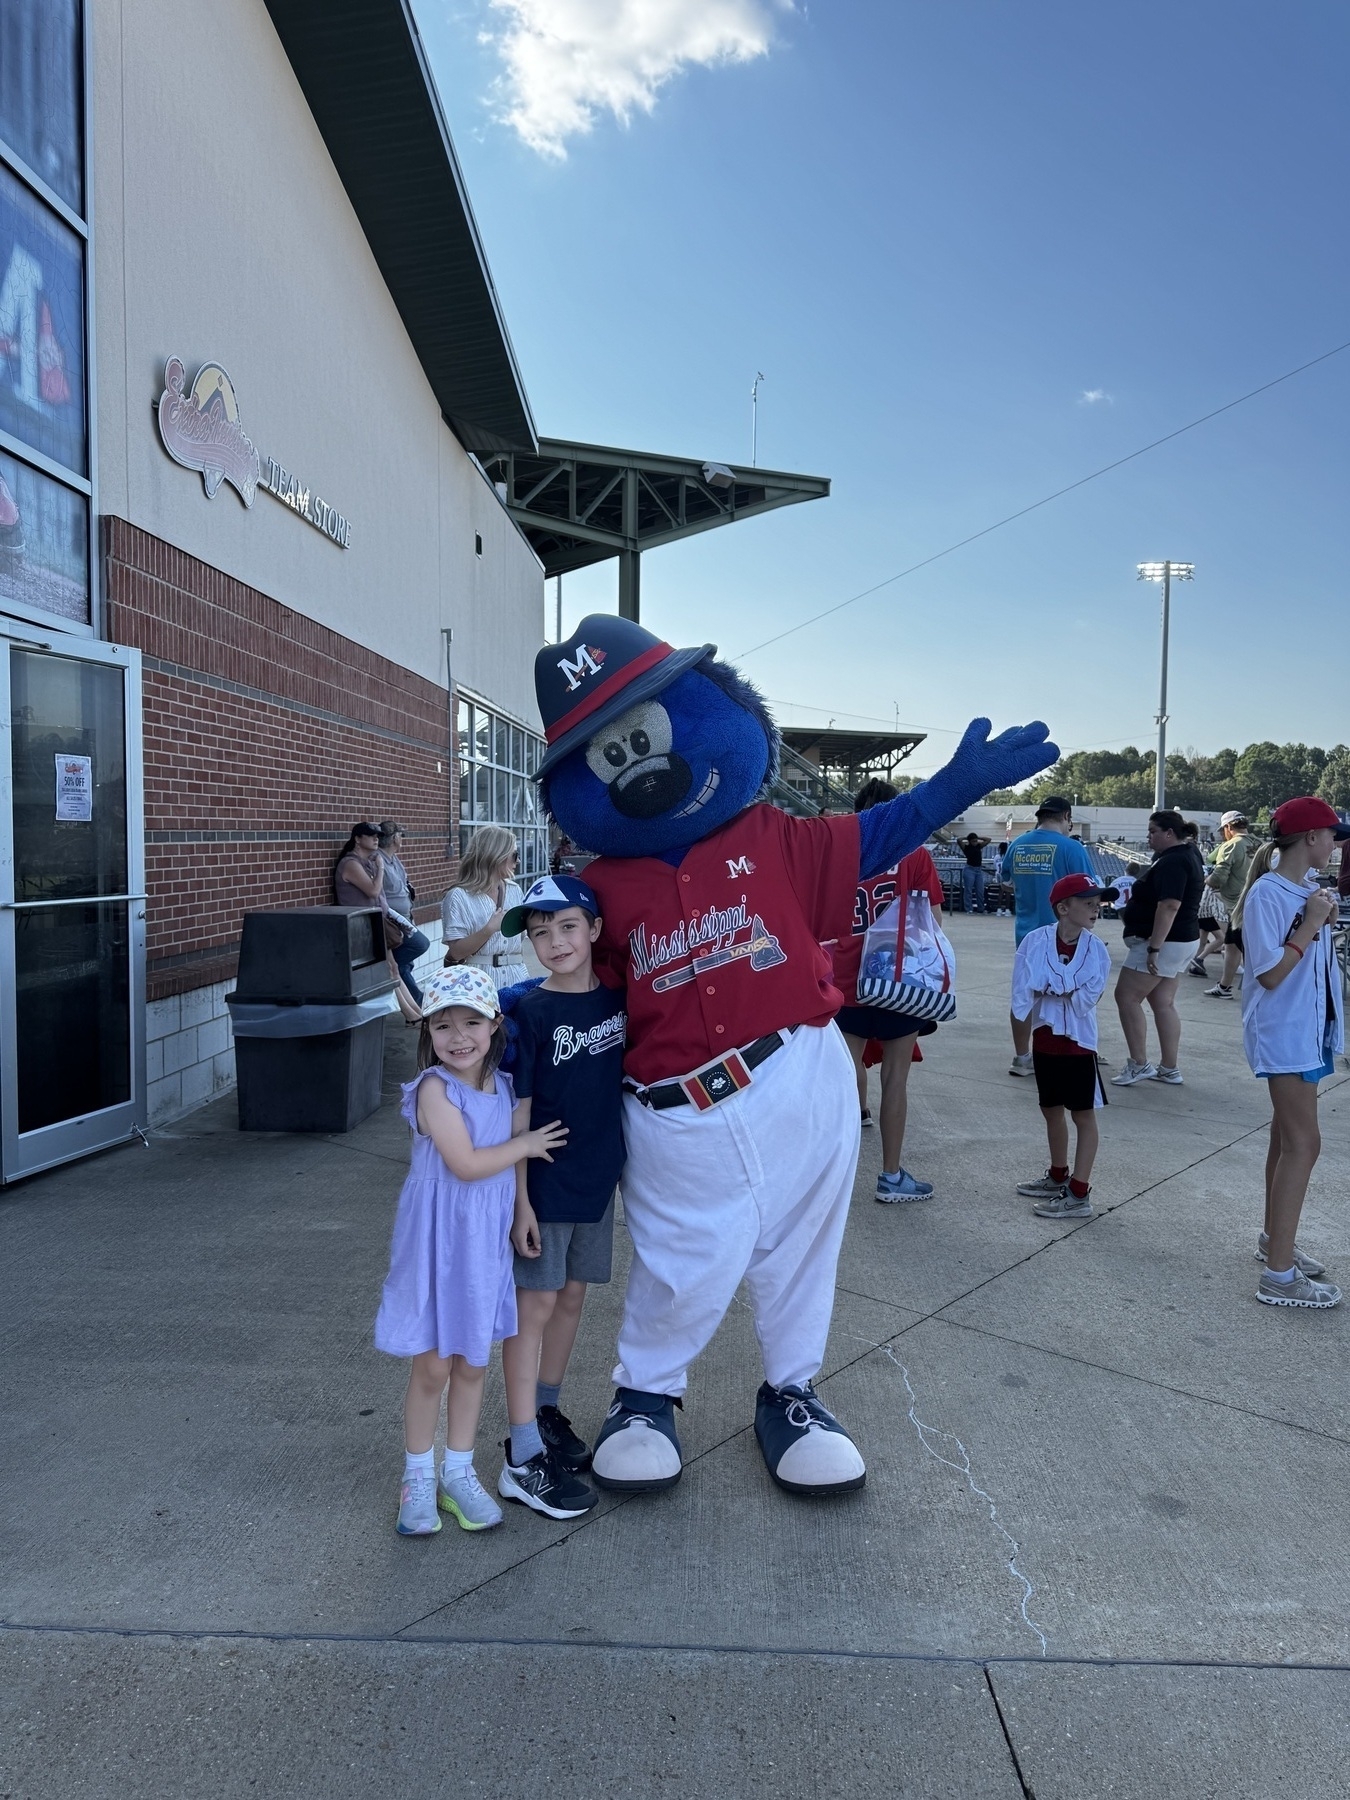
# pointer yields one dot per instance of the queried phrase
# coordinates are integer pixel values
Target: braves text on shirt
(607, 1035)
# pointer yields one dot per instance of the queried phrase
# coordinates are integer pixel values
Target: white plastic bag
(924, 985)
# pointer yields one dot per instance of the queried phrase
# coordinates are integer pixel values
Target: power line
(1058, 494)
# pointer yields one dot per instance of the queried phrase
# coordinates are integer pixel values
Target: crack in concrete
(942, 1659)
(967, 1473)
(1028, 1791)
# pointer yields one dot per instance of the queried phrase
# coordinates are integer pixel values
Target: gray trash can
(308, 1011)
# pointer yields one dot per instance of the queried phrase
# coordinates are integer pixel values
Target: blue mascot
(741, 1110)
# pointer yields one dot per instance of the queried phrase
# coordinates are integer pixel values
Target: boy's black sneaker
(546, 1487)
(570, 1451)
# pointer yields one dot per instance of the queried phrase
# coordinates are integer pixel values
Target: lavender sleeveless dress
(449, 1287)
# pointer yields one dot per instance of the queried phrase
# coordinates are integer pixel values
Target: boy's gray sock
(525, 1443)
(547, 1395)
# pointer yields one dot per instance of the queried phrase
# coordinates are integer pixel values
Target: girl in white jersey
(1291, 1029)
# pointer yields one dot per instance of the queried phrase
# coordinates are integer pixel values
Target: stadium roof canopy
(581, 503)
(364, 73)
(849, 757)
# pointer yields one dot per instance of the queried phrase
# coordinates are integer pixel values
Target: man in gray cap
(1228, 877)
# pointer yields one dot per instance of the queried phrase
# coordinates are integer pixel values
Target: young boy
(569, 1066)
(1060, 972)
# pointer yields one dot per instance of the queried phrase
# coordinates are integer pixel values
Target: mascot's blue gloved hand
(896, 827)
(508, 998)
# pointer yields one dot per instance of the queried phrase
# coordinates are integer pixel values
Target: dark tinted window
(65, 711)
(40, 86)
(44, 542)
(41, 325)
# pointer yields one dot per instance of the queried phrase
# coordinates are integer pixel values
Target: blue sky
(936, 226)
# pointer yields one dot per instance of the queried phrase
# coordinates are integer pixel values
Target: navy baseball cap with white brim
(551, 893)
(607, 665)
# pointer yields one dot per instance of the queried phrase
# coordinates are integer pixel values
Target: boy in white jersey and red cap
(1060, 972)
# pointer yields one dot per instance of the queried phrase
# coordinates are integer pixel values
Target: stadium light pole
(1166, 573)
(754, 417)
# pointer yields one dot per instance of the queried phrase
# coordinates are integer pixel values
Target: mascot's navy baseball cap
(551, 893)
(606, 666)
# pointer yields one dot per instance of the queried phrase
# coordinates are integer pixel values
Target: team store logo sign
(199, 427)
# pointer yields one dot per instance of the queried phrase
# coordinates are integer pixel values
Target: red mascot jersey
(726, 947)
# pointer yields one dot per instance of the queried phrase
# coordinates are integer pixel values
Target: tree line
(1253, 780)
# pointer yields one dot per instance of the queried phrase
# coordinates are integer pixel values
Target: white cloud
(1096, 397)
(566, 61)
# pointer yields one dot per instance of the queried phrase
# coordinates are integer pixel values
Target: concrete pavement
(1101, 1549)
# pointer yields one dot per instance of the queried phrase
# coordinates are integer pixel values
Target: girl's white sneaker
(1298, 1292)
(466, 1499)
(1133, 1072)
(1306, 1265)
(417, 1515)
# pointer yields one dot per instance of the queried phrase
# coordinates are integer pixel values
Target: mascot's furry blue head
(649, 748)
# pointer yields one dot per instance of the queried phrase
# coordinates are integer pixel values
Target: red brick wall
(266, 737)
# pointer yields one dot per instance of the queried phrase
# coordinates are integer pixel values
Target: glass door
(72, 900)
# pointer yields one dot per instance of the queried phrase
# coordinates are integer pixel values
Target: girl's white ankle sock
(456, 1463)
(419, 1462)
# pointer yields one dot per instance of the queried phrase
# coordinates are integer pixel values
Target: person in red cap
(1292, 1029)
(1060, 972)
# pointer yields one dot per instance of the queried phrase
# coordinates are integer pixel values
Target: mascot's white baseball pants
(755, 1190)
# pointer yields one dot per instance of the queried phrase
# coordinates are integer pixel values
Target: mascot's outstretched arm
(896, 827)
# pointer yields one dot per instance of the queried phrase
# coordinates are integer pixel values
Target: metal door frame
(33, 1151)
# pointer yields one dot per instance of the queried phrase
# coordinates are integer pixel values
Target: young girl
(1291, 1029)
(449, 1293)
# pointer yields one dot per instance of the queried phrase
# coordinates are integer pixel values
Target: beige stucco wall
(222, 233)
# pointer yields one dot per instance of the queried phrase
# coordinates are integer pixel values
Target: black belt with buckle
(715, 1081)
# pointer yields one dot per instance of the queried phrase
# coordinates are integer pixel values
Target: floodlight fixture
(1166, 573)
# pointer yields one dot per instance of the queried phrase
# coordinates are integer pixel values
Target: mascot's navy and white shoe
(805, 1448)
(637, 1450)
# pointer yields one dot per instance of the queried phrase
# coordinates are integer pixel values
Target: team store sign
(200, 428)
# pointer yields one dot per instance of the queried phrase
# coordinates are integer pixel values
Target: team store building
(256, 581)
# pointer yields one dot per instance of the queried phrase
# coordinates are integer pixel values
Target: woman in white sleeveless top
(472, 911)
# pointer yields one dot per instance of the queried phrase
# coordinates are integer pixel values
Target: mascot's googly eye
(634, 759)
(641, 732)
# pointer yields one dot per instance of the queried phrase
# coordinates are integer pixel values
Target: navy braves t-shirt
(569, 1065)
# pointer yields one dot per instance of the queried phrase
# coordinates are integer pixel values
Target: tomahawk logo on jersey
(723, 934)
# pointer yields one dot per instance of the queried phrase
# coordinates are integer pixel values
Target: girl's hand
(525, 1239)
(1320, 908)
(546, 1138)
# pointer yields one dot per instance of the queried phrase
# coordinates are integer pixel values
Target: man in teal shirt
(1033, 863)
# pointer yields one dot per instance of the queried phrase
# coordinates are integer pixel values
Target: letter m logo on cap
(586, 662)
(606, 666)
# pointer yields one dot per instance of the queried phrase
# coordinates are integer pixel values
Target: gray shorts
(569, 1253)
